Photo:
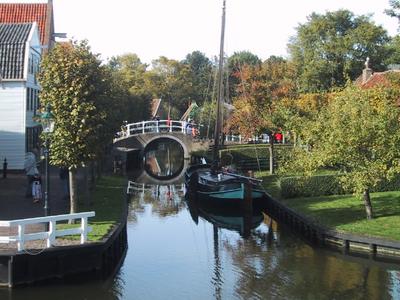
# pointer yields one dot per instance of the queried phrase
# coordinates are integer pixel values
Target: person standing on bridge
(189, 127)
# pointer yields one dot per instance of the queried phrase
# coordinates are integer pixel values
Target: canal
(180, 250)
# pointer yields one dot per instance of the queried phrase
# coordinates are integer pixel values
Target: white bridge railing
(141, 187)
(49, 235)
(157, 126)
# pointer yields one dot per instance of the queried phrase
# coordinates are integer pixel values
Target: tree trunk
(271, 154)
(72, 192)
(367, 203)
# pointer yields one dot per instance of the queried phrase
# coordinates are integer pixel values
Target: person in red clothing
(278, 137)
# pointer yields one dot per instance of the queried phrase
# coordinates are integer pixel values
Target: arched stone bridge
(137, 136)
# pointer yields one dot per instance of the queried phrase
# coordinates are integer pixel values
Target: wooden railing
(52, 232)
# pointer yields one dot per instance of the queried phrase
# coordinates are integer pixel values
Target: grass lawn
(108, 203)
(346, 213)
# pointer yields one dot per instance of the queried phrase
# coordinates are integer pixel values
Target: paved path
(14, 204)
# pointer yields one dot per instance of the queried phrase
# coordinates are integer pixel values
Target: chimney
(367, 72)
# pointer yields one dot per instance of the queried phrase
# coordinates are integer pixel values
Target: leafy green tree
(236, 62)
(168, 80)
(75, 85)
(128, 79)
(239, 59)
(330, 49)
(130, 71)
(393, 49)
(394, 11)
(358, 133)
(201, 76)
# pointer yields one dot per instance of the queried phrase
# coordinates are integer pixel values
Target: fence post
(84, 229)
(21, 237)
(143, 127)
(5, 168)
(51, 234)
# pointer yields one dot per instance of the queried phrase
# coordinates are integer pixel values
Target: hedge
(323, 185)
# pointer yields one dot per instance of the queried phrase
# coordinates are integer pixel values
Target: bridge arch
(137, 136)
(176, 137)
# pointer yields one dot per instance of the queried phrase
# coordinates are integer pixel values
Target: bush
(292, 187)
(323, 185)
(388, 185)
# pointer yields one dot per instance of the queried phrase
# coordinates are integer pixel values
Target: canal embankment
(99, 257)
(339, 221)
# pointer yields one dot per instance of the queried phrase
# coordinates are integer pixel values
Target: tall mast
(218, 123)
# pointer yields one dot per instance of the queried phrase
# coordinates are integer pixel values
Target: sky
(175, 28)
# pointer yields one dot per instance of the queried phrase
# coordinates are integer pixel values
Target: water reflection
(164, 158)
(165, 199)
(234, 255)
(180, 251)
(243, 222)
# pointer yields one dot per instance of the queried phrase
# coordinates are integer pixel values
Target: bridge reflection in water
(164, 158)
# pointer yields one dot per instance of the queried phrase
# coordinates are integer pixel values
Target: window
(32, 138)
(33, 65)
(32, 100)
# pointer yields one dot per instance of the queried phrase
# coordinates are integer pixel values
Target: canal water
(180, 250)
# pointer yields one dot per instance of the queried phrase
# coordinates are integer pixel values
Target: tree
(393, 49)
(358, 133)
(236, 62)
(168, 80)
(330, 49)
(75, 85)
(128, 80)
(130, 71)
(394, 11)
(260, 91)
(201, 77)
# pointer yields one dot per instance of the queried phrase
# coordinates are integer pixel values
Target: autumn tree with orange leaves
(259, 101)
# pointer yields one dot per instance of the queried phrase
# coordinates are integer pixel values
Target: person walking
(30, 171)
(36, 188)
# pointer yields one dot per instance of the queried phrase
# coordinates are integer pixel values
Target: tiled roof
(13, 38)
(378, 78)
(25, 13)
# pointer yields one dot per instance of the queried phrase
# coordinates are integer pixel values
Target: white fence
(157, 126)
(141, 187)
(52, 232)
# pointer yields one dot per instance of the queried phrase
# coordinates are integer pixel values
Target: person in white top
(30, 170)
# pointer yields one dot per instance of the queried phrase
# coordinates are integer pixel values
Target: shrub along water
(344, 213)
(323, 185)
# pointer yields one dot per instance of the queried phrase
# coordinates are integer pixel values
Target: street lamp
(47, 122)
